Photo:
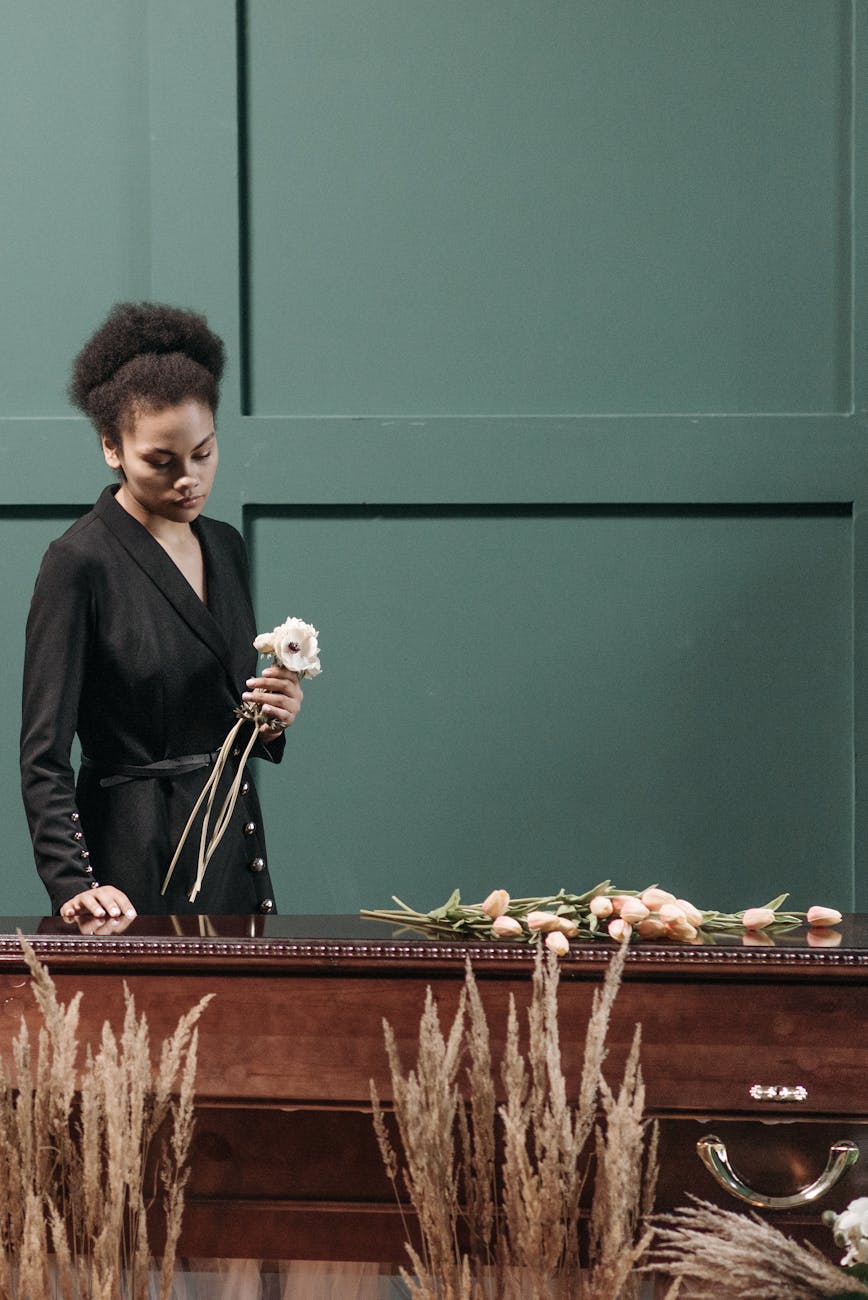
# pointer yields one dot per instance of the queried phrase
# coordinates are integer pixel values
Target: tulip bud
(651, 928)
(654, 898)
(601, 906)
(506, 927)
(542, 921)
(567, 926)
(496, 903)
(757, 918)
(822, 916)
(671, 912)
(558, 943)
(620, 930)
(678, 927)
(634, 910)
(618, 901)
(693, 914)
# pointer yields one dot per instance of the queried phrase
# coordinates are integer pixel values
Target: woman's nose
(186, 478)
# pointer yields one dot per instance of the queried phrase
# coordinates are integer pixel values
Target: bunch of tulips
(623, 915)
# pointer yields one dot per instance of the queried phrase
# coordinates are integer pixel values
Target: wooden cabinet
(285, 1164)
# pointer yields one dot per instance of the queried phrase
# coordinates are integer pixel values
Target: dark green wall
(547, 405)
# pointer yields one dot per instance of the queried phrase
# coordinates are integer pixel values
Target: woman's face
(168, 459)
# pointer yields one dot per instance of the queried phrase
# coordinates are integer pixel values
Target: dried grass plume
(497, 1188)
(76, 1176)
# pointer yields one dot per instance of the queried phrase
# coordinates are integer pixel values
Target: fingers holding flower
(278, 694)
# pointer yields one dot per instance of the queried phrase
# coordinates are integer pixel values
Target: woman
(140, 640)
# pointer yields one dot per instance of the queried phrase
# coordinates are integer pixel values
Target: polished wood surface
(285, 1164)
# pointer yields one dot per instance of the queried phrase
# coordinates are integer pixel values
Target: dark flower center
(294, 647)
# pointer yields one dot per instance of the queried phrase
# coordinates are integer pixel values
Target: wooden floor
(249, 1279)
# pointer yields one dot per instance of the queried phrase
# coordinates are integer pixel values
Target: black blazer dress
(121, 651)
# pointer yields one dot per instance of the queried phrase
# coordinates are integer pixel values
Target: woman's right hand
(105, 903)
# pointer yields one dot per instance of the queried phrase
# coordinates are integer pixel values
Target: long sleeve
(59, 631)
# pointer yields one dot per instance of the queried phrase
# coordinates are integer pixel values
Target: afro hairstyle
(144, 357)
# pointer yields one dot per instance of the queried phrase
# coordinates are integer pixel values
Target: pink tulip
(542, 921)
(693, 914)
(618, 901)
(558, 943)
(651, 928)
(496, 903)
(671, 912)
(678, 927)
(654, 898)
(601, 906)
(634, 910)
(620, 930)
(567, 927)
(506, 927)
(822, 916)
(757, 918)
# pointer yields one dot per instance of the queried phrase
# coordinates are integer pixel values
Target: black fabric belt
(118, 773)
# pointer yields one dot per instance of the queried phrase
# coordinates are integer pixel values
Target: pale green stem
(224, 817)
(210, 785)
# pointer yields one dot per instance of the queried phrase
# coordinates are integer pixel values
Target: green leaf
(441, 913)
(603, 886)
(777, 902)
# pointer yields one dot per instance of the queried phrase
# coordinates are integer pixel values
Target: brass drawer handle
(713, 1154)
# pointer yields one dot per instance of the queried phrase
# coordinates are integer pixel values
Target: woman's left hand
(278, 693)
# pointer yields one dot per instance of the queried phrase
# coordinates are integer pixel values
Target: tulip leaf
(442, 913)
(592, 893)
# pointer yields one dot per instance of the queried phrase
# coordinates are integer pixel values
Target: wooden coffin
(763, 1047)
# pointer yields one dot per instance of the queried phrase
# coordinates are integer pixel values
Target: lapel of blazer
(167, 577)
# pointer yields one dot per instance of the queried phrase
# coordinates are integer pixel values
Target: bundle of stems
(211, 835)
(496, 1189)
(76, 1176)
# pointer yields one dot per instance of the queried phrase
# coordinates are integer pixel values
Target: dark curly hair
(145, 357)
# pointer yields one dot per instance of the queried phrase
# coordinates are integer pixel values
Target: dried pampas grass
(715, 1254)
(75, 1147)
(497, 1189)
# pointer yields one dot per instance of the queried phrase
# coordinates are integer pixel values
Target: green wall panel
(549, 208)
(546, 403)
(74, 204)
(539, 698)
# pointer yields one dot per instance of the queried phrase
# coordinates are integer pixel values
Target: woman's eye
(160, 464)
(202, 455)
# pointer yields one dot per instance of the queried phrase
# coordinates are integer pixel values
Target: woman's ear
(111, 452)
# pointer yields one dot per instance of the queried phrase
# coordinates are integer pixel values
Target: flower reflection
(757, 939)
(823, 938)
